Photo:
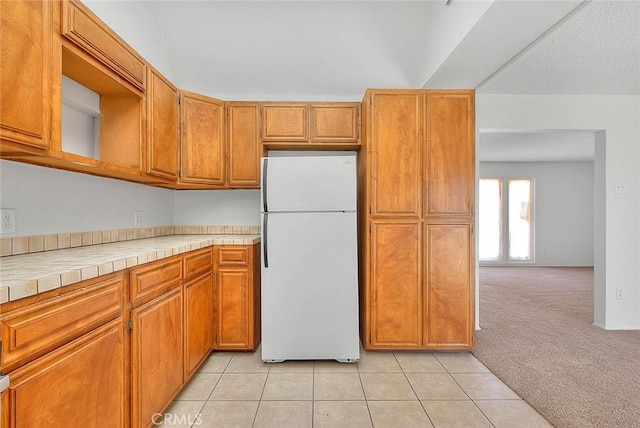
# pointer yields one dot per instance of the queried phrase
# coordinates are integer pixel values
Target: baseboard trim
(613, 328)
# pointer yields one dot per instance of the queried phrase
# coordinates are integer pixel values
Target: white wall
(217, 207)
(600, 227)
(617, 116)
(49, 200)
(563, 208)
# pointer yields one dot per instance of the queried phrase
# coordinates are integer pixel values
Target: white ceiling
(595, 51)
(324, 50)
(334, 50)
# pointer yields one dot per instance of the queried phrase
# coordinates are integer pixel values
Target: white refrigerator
(309, 259)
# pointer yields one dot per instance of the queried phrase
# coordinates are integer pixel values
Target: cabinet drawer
(197, 262)
(233, 256)
(32, 331)
(87, 31)
(153, 277)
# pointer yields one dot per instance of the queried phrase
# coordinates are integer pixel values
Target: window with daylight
(505, 220)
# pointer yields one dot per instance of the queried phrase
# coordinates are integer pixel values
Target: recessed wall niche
(80, 119)
(96, 102)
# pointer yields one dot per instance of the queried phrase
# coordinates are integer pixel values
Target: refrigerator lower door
(310, 287)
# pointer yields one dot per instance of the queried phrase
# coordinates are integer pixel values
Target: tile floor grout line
(483, 414)
(414, 391)
(264, 386)
(255, 416)
(364, 394)
(471, 399)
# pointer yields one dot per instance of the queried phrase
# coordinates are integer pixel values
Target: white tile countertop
(30, 274)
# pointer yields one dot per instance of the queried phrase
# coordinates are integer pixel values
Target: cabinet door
(26, 76)
(235, 294)
(334, 123)
(288, 122)
(449, 282)
(243, 146)
(395, 294)
(449, 153)
(156, 351)
(198, 322)
(162, 127)
(94, 37)
(81, 384)
(396, 153)
(234, 303)
(201, 139)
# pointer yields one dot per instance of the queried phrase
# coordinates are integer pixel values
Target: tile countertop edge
(12, 289)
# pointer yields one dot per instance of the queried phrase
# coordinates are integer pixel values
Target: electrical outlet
(8, 216)
(619, 293)
(619, 188)
(138, 218)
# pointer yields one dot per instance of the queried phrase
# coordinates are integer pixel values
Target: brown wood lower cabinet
(114, 351)
(449, 298)
(80, 384)
(156, 356)
(420, 292)
(237, 298)
(198, 322)
(395, 309)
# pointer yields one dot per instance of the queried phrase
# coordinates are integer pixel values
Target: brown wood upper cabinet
(52, 39)
(449, 161)
(335, 123)
(285, 122)
(201, 139)
(92, 35)
(26, 76)
(396, 151)
(303, 125)
(162, 127)
(243, 145)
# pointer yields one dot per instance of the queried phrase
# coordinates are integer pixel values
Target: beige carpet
(537, 336)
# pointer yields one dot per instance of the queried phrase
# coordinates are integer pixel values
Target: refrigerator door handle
(264, 185)
(265, 223)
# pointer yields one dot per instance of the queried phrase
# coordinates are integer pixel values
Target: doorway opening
(558, 216)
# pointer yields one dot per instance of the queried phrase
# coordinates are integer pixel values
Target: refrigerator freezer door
(310, 289)
(321, 183)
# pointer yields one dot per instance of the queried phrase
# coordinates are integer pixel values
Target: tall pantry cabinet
(417, 175)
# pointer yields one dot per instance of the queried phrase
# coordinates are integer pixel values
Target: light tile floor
(384, 389)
